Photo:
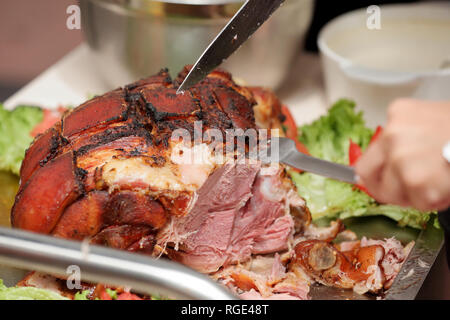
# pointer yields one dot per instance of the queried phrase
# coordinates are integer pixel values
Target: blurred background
(34, 35)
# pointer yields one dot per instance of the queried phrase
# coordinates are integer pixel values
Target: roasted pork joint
(107, 172)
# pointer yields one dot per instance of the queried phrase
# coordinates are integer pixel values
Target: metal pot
(131, 39)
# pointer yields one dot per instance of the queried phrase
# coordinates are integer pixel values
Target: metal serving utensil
(288, 154)
(31, 251)
(245, 22)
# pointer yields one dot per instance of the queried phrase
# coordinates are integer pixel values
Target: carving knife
(417, 265)
(244, 23)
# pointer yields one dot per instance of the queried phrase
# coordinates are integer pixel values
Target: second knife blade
(244, 23)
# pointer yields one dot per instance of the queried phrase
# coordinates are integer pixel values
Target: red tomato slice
(354, 153)
(104, 295)
(49, 119)
(301, 147)
(128, 296)
(291, 129)
(376, 135)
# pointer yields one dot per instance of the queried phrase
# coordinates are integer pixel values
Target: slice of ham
(205, 232)
(278, 270)
(232, 219)
(262, 226)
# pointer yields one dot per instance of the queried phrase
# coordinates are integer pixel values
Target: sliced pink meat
(206, 230)
(232, 219)
(262, 226)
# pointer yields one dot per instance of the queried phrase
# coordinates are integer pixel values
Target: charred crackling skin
(132, 208)
(46, 194)
(41, 151)
(70, 189)
(84, 217)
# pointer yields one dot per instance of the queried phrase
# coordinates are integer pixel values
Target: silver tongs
(31, 251)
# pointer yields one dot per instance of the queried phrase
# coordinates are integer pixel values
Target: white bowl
(409, 56)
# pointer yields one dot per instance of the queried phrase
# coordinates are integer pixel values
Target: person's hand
(405, 165)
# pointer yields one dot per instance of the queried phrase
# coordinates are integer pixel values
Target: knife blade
(417, 265)
(244, 23)
(284, 150)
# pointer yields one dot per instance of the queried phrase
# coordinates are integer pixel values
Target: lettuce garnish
(27, 293)
(329, 138)
(15, 138)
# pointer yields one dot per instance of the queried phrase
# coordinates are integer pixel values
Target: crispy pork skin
(83, 218)
(364, 266)
(47, 193)
(39, 153)
(95, 114)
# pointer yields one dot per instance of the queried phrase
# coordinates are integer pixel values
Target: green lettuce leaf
(329, 138)
(112, 293)
(81, 295)
(15, 138)
(27, 293)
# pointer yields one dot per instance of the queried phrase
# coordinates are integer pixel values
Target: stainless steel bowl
(131, 39)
